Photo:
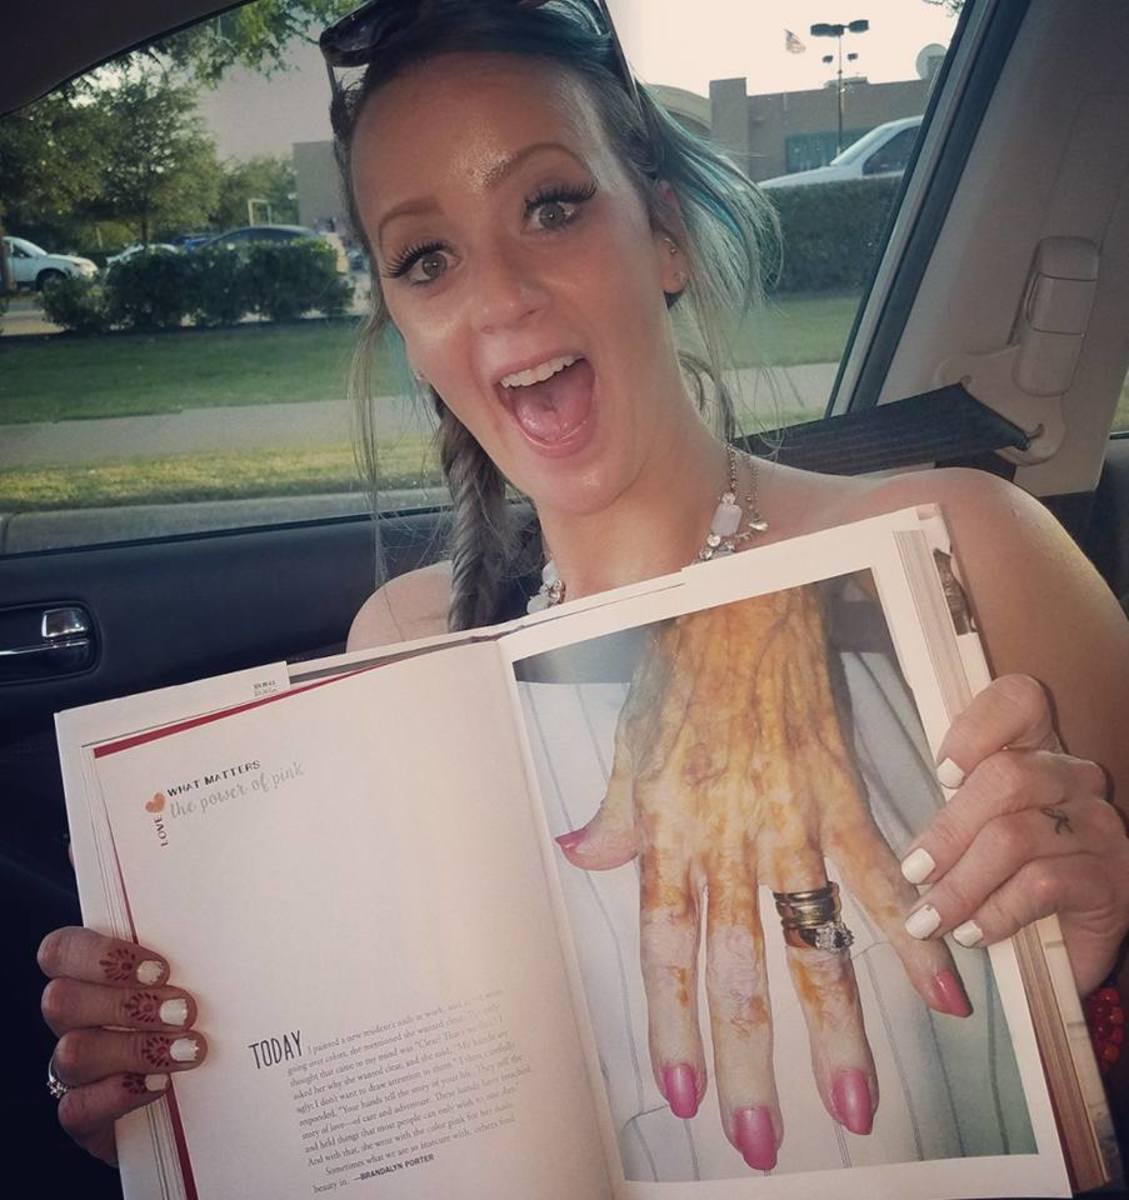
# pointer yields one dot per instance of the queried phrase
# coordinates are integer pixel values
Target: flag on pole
(792, 43)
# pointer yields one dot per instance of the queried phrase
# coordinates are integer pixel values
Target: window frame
(968, 76)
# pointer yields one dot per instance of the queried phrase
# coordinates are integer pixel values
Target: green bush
(3, 306)
(77, 304)
(287, 279)
(150, 291)
(831, 232)
(219, 291)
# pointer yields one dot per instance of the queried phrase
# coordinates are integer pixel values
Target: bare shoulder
(1040, 607)
(1025, 573)
(407, 607)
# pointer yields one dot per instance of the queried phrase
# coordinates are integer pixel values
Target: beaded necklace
(732, 525)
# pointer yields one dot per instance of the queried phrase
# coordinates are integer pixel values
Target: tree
(269, 179)
(253, 36)
(50, 161)
(160, 170)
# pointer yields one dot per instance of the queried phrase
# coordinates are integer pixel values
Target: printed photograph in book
(732, 791)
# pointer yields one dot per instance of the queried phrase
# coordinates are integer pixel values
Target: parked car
(34, 267)
(884, 150)
(137, 248)
(189, 241)
(249, 234)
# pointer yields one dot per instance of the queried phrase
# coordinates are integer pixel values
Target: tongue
(550, 411)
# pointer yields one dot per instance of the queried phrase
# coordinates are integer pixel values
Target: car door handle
(66, 645)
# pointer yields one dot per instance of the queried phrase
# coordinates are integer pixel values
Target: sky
(727, 38)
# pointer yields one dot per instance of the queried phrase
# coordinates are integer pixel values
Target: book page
(962, 1109)
(348, 879)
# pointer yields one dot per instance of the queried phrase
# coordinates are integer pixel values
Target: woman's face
(520, 265)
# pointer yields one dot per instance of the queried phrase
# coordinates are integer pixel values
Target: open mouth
(552, 400)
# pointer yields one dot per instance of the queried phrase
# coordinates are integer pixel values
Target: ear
(669, 231)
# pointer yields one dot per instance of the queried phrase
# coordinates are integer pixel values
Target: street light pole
(823, 29)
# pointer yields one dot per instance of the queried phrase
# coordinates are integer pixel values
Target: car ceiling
(50, 41)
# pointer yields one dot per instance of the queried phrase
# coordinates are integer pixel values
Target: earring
(671, 245)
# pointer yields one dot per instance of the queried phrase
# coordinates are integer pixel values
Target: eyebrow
(493, 179)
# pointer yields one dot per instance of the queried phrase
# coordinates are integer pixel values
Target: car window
(158, 398)
(894, 155)
(1121, 416)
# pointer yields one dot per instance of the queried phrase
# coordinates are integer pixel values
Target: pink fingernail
(756, 1138)
(680, 1087)
(569, 841)
(850, 1098)
(949, 995)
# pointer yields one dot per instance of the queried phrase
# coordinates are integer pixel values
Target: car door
(208, 586)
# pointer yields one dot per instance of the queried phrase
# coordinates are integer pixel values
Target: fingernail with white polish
(156, 1083)
(922, 923)
(184, 1050)
(918, 866)
(969, 934)
(148, 972)
(949, 774)
(174, 1012)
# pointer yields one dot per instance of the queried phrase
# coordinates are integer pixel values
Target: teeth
(538, 374)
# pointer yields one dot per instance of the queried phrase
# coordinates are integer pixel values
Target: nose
(506, 290)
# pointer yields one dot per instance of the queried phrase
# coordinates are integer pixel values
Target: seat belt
(944, 427)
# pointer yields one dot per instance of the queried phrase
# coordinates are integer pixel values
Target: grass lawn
(410, 462)
(58, 378)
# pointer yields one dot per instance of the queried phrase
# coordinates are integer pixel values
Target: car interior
(993, 333)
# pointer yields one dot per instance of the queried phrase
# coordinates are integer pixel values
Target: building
(783, 132)
(773, 134)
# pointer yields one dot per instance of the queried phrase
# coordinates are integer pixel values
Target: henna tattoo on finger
(163, 1050)
(1061, 820)
(118, 965)
(135, 1085)
(144, 1008)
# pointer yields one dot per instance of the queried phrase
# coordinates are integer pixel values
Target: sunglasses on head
(356, 39)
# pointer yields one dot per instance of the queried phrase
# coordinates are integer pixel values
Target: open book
(409, 990)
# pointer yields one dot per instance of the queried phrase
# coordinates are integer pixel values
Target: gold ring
(811, 919)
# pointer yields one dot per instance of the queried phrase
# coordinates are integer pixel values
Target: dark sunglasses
(356, 39)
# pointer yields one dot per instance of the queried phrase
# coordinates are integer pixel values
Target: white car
(884, 150)
(137, 248)
(32, 266)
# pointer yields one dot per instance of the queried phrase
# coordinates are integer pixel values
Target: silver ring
(831, 936)
(55, 1085)
(811, 919)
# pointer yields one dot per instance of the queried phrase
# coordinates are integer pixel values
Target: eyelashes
(404, 262)
(562, 202)
(560, 194)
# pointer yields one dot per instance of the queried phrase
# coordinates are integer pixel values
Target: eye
(427, 267)
(554, 208)
(420, 265)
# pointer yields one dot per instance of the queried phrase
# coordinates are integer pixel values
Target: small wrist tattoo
(1061, 820)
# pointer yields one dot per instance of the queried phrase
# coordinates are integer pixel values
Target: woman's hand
(121, 1030)
(731, 770)
(1028, 832)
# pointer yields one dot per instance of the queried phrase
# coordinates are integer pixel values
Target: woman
(531, 218)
